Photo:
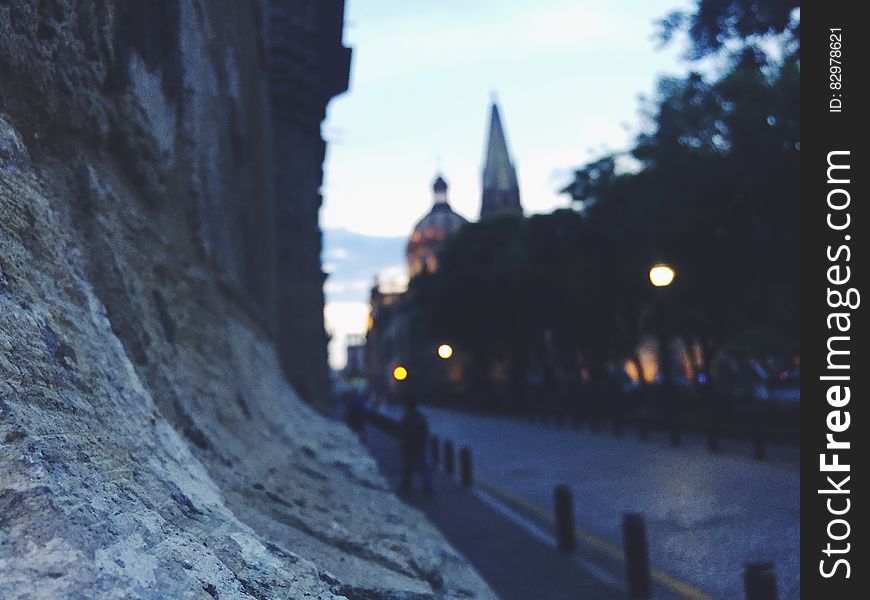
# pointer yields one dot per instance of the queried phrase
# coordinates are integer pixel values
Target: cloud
(337, 253)
(332, 288)
(357, 258)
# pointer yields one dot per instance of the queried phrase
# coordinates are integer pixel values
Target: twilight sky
(567, 74)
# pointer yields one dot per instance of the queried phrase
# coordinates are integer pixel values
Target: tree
(717, 190)
(716, 24)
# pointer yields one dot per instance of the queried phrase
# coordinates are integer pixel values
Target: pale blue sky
(567, 74)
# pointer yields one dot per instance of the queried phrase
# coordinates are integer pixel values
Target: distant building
(356, 346)
(430, 232)
(389, 339)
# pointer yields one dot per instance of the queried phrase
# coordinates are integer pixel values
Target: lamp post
(662, 275)
(445, 351)
(397, 389)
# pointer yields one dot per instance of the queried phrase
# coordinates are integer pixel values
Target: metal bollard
(564, 512)
(636, 555)
(758, 449)
(676, 438)
(449, 462)
(713, 441)
(759, 581)
(643, 431)
(436, 455)
(465, 472)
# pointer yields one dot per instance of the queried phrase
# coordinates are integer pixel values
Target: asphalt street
(706, 515)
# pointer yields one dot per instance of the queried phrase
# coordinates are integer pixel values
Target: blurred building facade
(389, 339)
(307, 65)
(356, 352)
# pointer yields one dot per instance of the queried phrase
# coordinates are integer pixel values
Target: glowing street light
(661, 275)
(400, 373)
(445, 351)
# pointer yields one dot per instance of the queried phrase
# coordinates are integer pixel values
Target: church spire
(501, 192)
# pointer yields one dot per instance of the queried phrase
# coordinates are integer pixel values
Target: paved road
(706, 515)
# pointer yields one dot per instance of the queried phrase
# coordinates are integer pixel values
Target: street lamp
(400, 373)
(445, 351)
(661, 275)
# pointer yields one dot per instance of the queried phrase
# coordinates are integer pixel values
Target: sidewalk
(519, 562)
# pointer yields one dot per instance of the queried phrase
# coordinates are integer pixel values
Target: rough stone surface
(150, 445)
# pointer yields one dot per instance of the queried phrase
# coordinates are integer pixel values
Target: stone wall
(307, 65)
(152, 230)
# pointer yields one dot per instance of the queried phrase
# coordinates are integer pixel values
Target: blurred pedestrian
(356, 408)
(415, 434)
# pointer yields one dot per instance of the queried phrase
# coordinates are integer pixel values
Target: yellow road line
(675, 585)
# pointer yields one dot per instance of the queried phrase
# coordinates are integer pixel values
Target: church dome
(430, 232)
(439, 223)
